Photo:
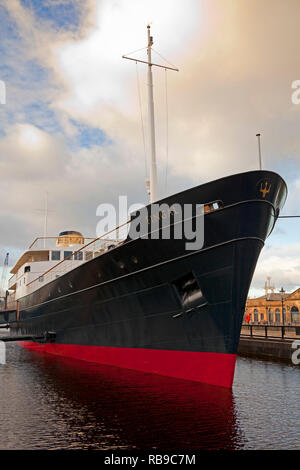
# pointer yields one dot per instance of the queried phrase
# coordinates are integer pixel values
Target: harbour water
(50, 403)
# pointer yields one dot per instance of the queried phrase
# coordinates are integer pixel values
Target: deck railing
(49, 243)
(93, 249)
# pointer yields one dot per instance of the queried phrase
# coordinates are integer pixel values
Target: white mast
(153, 168)
(152, 189)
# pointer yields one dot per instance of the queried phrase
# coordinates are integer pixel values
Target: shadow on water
(62, 403)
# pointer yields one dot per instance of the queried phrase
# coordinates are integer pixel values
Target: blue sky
(65, 15)
(33, 78)
(71, 125)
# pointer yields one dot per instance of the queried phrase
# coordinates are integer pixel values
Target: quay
(268, 341)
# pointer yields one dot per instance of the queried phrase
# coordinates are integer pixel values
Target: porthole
(134, 259)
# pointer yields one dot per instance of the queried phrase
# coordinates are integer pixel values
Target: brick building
(270, 307)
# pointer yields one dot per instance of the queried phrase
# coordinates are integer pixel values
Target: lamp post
(282, 292)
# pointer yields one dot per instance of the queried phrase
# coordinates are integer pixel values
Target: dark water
(50, 403)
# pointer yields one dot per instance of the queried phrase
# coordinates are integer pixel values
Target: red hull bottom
(210, 368)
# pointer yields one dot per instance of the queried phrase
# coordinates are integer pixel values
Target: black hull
(114, 302)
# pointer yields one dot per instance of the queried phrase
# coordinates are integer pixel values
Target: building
(275, 308)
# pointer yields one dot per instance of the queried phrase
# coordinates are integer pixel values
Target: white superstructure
(47, 258)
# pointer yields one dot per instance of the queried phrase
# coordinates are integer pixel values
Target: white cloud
(236, 70)
(282, 264)
(228, 88)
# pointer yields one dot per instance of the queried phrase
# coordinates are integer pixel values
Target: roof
(276, 296)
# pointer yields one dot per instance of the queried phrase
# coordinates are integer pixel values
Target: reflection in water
(47, 402)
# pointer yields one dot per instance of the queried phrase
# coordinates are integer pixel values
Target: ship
(146, 302)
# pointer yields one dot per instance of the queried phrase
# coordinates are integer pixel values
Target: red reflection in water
(140, 410)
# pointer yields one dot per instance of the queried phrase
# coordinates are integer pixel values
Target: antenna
(45, 219)
(259, 151)
(152, 185)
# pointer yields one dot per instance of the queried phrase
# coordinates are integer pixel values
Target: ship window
(67, 254)
(213, 206)
(88, 255)
(55, 255)
(27, 269)
(78, 256)
(41, 279)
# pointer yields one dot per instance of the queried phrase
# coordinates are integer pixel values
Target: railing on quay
(287, 331)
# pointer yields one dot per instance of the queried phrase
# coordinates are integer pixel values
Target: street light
(282, 292)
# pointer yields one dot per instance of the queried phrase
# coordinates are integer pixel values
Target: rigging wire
(288, 216)
(142, 121)
(172, 65)
(138, 50)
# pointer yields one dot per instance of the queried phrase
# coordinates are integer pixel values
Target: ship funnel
(69, 238)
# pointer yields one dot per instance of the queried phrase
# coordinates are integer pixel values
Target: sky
(71, 125)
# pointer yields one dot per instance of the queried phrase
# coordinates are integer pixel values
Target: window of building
(55, 255)
(277, 315)
(255, 315)
(271, 317)
(68, 254)
(78, 256)
(295, 317)
(262, 317)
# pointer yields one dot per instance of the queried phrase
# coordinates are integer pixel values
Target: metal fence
(271, 331)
